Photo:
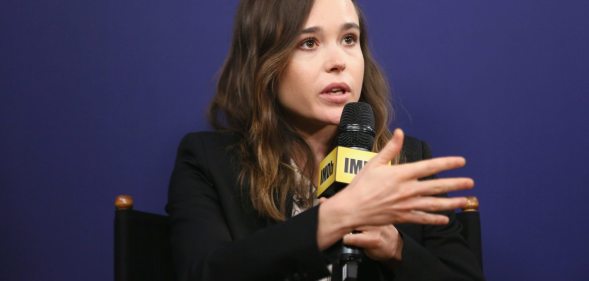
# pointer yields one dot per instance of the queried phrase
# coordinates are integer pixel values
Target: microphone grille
(356, 128)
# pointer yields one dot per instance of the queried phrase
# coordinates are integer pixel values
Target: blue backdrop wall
(95, 96)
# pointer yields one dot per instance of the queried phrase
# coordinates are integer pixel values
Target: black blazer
(217, 235)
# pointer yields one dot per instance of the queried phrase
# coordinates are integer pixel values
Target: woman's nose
(335, 60)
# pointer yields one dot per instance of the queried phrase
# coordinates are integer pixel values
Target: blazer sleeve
(202, 243)
(440, 253)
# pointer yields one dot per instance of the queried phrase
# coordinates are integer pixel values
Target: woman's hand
(383, 194)
(380, 243)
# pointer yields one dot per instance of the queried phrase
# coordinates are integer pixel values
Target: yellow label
(327, 169)
(341, 165)
(350, 162)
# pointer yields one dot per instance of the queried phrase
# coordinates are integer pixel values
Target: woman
(236, 194)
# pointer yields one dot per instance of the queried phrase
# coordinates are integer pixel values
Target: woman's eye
(308, 43)
(350, 39)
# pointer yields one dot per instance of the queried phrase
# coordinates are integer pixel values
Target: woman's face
(327, 68)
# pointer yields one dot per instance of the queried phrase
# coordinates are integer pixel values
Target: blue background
(95, 96)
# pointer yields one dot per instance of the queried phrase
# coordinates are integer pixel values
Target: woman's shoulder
(209, 140)
(212, 136)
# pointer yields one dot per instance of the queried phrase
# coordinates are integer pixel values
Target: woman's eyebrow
(345, 26)
(350, 25)
(312, 29)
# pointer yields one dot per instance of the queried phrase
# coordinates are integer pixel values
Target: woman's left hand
(380, 243)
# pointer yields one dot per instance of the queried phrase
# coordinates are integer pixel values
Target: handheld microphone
(353, 144)
(353, 149)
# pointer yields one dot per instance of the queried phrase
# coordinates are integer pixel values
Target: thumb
(391, 149)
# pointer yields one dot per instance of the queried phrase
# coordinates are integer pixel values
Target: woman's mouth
(336, 89)
(337, 93)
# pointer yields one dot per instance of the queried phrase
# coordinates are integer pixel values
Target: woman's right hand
(389, 194)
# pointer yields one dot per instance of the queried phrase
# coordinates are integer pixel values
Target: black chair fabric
(471, 231)
(142, 247)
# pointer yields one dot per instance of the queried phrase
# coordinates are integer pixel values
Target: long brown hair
(264, 36)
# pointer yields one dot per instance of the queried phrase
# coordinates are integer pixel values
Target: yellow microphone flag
(340, 166)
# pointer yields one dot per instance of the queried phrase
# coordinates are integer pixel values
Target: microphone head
(356, 127)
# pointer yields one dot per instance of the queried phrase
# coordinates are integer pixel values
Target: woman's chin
(332, 115)
(333, 120)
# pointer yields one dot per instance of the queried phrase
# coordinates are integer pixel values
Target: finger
(360, 239)
(439, 186)
(433, 204)
(419, 217)
(322, 199)
(366, 228)
(391, 149)
(430, 167)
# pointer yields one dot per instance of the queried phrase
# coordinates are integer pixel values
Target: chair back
(142, 244)
(471, 227)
